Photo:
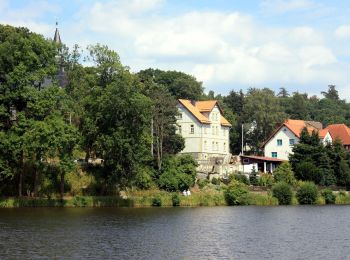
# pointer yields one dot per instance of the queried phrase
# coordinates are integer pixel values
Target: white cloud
(343, 31)
(219, 48)
(225, 48)
(283, 6)
(28, 15)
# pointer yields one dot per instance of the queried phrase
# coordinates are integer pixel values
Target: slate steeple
(57, 37)
(61, 75)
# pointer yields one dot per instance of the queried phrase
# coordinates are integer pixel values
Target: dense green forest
(126, 119)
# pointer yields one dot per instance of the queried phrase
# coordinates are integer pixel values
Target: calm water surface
(310, 232)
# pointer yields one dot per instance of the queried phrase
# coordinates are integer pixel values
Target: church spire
(57, 37)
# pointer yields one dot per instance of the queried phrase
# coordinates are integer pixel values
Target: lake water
(295, 232)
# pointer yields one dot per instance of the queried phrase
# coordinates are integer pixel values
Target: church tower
(61, 75)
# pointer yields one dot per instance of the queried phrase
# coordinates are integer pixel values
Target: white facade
(281, 144)
(204, 140)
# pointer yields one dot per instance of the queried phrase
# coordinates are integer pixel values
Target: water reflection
(176, 233)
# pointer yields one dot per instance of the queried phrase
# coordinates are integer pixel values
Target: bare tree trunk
(62, 185)
(158, 155)
(161, 146)
(152, 137)
(36, 182)
(20, 180)
(87, 155)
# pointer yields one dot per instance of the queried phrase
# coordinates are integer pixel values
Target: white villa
(206, 133)
(280, 143)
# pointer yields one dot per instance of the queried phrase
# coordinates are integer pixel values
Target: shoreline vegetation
(158, 198)
(99, 135)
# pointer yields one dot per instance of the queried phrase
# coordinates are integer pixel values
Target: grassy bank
(152, 198)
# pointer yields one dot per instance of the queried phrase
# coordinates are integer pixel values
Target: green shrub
(266, 180)
(77, 182)
(202, 183)
(284, 173)
(157, 201)
(236, 193)
(143, 179)
(328, 196)
(283, 192)
(169, 181)
(253, 178)
(241, 178)
(79, 201)
(215, 181)
(307, 193)
(178, 173)
(308, 171)
(342, 198)
(342, 193)
(175, 200)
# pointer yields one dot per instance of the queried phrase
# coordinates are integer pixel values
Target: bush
(143, 179)
(78, 182)
(284, 173)
(266, 180)
(202, 183)
(283, 192)
(215, 181)
(307, 193)
(241, 178)
(157, 201)
(308, 171)
(178, 173)
(80, 201)
(175, 200)
(169, 181)
(328, 196)
(236, 193)
(253, 178)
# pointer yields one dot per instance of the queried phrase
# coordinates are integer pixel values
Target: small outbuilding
(259, 163)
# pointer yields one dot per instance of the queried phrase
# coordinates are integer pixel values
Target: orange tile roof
(206, 106)
(224, 122)
(194, 111)
(322, 133)
(340, 131)
(203, 106)
(295, 126)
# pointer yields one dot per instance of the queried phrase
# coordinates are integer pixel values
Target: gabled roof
(206, 106)
(340, 131)
(296, 126)
(200, 107)
(323, 132)
(194, 111)
(224, 122)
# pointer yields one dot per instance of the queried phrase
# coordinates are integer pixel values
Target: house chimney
(193, 102)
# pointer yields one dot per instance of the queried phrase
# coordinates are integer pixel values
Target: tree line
(126, 119)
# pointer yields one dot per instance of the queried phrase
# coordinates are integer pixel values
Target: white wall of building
(207, 140)
(283, 150)
(327, 139)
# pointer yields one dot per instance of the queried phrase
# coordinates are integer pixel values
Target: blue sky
(301, 45)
